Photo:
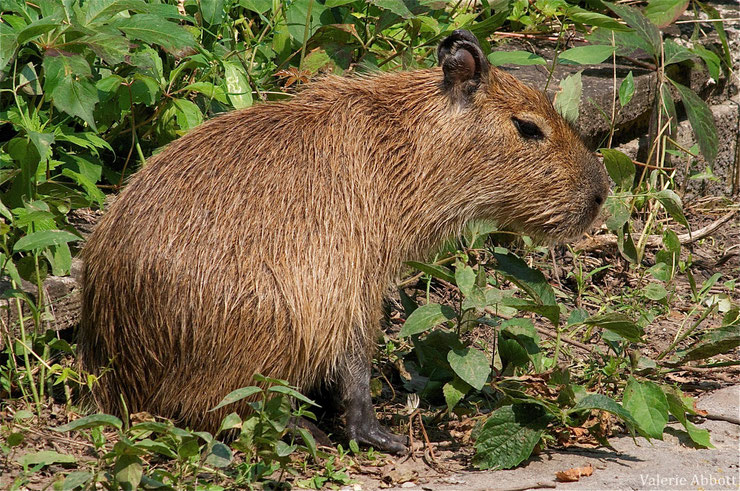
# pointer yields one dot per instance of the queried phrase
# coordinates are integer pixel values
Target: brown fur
(265, 240)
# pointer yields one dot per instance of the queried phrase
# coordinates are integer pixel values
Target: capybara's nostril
(599, 199)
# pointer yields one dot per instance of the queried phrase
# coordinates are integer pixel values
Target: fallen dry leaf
(574, 474)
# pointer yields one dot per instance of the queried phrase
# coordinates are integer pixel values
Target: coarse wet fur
(264, 240)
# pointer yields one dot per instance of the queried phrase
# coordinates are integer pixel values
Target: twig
(538, 485)
(610, 240)
(426, 438)
(720, 417)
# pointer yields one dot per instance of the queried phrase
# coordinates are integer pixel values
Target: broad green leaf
(620, 168)
(8, 44)
(212, 11)
(454, 391)
(678, 409)
(530, 280)
(675, 53)
(568, 99)
(153, 29)
(509, 436)
(626, 89)
(464, 278)
(714, 342)
(262, 6)
(45, 457)
(238, 89)
(37, 28)
(585, 55)
(618, 212)
(712, 13)
(94, 420)
(75, 480)
(289, 391)
(671, 241)
(587, 17)
(76, 98)
(655, 291)
(619, 324)
(94, 194)
(433, 270)
(498, 58)
(237, 395)
(296, 16)
(471, 365)
(59, 67)
(398, 7)
(187, 114)
(551, 312)
(44, 238)
(209, 90)
(219, 456)
(663, 13)
(605, 403)
(702, 121)
(648, 405)
(672, 204)
(710, 59)
(426, 317)
(645, 29)
(128, 471)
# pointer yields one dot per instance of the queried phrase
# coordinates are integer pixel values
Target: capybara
(264, 240)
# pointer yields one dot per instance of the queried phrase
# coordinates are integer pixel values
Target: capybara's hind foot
(317, 433)
(369, 432)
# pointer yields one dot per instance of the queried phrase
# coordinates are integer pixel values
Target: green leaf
(471, 365)
(648, 405)
(663, 13)
(289, 391)
(92, 421)
(45, 238)
(551, 312)
(619, 324)
(568, 99)
(237, 85)
(582, 16)
(426, 317)
(209, 90)
(59, 67)
(433, 270)
(678, 409)
(454, 391)
(626, 89)
(604, 403)
(645, 29)
(75, 480)
(702, 121)
(219, 456)
(509, 436)
(498, 58)
(153, 29)
(212, 11)
(675, 53)
(187, 114)
(8, 44)
(262, 6)
(530, 280)
(710, 59)
(76, 98)
(672, 204)
(585, 55)
(44, 458)
(714, 342)
(128, 471)
(618, 212)
(237, 395)
(464, 278)
(37, 28)
(712, 13)
(655, 291)
(94, 194)
(620, 168)
(398, 7)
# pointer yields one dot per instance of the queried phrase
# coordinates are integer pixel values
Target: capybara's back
(264, 240)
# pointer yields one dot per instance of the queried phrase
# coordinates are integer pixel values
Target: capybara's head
(537, 175)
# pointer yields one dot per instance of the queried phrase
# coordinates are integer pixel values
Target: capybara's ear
(462, 61)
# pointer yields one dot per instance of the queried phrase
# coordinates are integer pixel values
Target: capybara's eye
(528, 129)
